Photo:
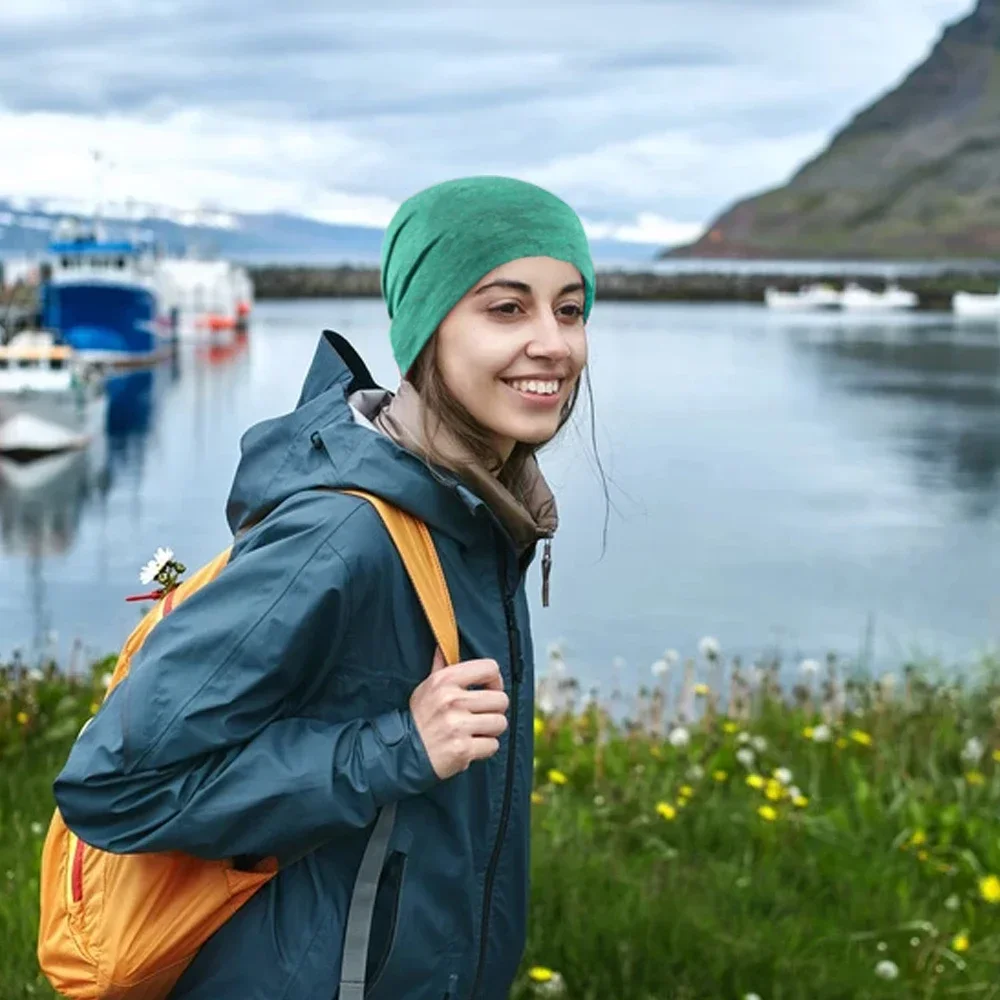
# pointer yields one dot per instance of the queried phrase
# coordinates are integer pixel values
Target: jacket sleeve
(196, 749)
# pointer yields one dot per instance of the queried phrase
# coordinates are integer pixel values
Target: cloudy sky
(648, 117)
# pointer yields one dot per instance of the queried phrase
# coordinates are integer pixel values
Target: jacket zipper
(513, 643)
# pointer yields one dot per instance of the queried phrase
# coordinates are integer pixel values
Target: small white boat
(976, 304)
(857, 298)
(816, 296)
(49, 402)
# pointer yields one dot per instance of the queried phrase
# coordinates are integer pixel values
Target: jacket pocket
(385, 918)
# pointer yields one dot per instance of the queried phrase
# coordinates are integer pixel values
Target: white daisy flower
(973, 750)
(821, 734)
(809, 667)
(709, 648)
(36, 675)
(679, 737)
(746, 757)
(759, 744)
(743, 738)
(887, 969)
(152, 569)
(783, 775)
(659, 668)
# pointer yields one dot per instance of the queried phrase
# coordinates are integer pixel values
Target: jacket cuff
(395, 759)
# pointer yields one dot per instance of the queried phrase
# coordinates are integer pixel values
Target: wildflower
(821, 734)
(156, 565)
(666, 810)
(774, 790)
(888, 681)
(989, 888)
(709, 648)
(598, 800)
(800, 801)
(743, 738)
(539, 974)
(695, 772)
(37, 829)
(952, 903)
(809, 667)
(960, 942)
(972, 752)
(768, 813)
(861, 737)
(731, 727)
(686, 790)
(35, 675)
(682, 802)
(539, 726)
(887, 969)
(94, 706)
(557, 777)
(975, 777)
(759, 744)
(701, 690)
(745, 756)
(882, 946)
(783, 775)
(809, 732)
(537, 798)
(679, 737)
(719, 776)
(659, 668)
(22, 718)
(755, 781)
(914, 942)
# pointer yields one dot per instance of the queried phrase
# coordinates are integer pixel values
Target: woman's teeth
(536, 387)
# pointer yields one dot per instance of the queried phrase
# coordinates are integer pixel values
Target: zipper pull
(546, 570)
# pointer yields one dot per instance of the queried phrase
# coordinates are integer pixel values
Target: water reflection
(937, 383)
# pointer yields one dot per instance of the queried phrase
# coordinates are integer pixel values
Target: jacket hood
(323, 443)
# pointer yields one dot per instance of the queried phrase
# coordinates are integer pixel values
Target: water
(805, 483)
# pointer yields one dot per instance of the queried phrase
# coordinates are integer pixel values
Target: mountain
(915, 174)
(266, 238)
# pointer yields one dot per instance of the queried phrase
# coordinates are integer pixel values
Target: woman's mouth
(538, 392)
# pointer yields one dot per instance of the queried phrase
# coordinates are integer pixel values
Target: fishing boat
(810, 297)
(974, 304)
(857, 298)
(105, 298)
(213, 299)
(49, 400)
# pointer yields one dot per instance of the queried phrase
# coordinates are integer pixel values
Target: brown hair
(440, 405)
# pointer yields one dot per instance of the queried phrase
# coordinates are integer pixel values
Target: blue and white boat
(103, 298)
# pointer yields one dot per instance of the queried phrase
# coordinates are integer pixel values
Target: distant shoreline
(935, 291)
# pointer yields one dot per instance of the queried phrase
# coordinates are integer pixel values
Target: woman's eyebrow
(520, 286)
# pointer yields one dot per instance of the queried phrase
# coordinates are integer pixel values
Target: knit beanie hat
(444, 239)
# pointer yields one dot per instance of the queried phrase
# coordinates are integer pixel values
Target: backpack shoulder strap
(416, 548)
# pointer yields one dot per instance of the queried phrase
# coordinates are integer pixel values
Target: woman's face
(512, 349)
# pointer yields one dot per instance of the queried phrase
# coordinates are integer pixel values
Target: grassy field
(826, 838)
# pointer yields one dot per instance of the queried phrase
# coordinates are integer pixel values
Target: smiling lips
(536, 387)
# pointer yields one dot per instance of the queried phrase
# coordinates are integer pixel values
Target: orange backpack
(125, 926)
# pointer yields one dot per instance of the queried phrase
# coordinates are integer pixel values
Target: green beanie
(446, 238)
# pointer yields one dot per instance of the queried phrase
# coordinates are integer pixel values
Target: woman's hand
(458, 725)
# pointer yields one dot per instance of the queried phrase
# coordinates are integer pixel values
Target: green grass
(886, 857)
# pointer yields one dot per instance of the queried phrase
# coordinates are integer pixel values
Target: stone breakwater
(935, 291)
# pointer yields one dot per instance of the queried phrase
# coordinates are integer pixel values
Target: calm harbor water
(801, 483)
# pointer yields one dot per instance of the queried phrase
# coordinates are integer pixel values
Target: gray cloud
(458, 89)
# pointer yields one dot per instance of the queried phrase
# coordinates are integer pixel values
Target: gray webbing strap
(359, 916)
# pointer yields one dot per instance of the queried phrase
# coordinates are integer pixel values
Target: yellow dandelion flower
(996, 756)
(841, 743)
(733, 727)
(666, 810)
(989, 888)
(537, 798)
(809, 732)
(557, 777)
(774, 790)
(686, 790)
(960, 942)
(975, 777)
(701, 690)
(800, 801)
(861, 737)
(94, 706)
(22, 718)
(539, 726)
(755, 781)
(719, 775)
(768, 813)
(539, 974)
(919, 837)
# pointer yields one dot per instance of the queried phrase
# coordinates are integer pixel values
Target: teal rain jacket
(269, 715)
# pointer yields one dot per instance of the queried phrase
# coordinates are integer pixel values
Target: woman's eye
(571, 311)
(506, 309)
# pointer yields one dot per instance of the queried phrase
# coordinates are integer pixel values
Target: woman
(279, 710)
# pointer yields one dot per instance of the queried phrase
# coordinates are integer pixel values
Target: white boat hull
(971, 304)
(41, 422)
(808, 299)
(864, 300)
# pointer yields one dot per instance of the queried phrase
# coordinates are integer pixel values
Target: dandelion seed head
(709, 648)
(672, 657)
(882, 946)
(679, 737)
(759, 744)
(972, 752)
(743, 738)
(887, 969)
(952, 902)
(659, 668)
(914, 942)
(745, 756)
(809, 667)
(821, 734)
(37, 829)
